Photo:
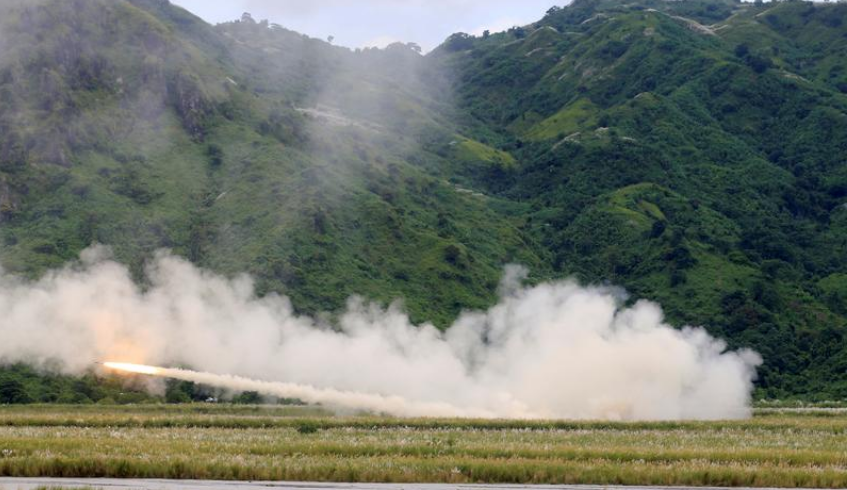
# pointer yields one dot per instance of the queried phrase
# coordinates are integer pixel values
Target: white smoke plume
(556, 350)
(392, 404)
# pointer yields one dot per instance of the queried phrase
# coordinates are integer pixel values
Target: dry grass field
(776, 448)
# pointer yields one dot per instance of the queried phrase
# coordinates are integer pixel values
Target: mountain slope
(693, 164)
(692, 151)
(176, 143)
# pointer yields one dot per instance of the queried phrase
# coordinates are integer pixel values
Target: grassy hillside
(691, 151)
(216, 144)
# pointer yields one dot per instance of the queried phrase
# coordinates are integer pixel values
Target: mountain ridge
(691, 152)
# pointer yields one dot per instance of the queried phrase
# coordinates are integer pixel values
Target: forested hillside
(693, 152)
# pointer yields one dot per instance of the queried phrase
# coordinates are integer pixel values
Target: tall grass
(258, 443)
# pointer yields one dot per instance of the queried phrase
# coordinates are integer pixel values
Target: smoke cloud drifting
(556, 350)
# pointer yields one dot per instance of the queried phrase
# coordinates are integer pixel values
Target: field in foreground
(778, 449)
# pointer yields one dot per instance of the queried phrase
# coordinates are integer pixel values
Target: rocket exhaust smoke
(557, 350)
(333, 398)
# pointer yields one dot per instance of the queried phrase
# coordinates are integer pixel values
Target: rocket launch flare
(393, 405)
(133, 368)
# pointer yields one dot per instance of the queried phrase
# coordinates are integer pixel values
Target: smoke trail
(395, 405)
(556, 350)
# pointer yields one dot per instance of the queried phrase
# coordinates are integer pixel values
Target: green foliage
(701, 167)
(691, 152)
(579, 115)
(470, 151)
(20, 384)
(12, 391)
(248, 398)
(308, 427)
(179, 392)
(215, 154)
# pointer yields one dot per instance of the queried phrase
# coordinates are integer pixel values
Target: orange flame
(133, 368)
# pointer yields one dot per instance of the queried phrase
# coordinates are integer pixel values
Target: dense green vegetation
(692, 152)
(699, 165)
(21, 384)
(782, 450)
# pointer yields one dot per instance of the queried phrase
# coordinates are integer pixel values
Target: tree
(759, 64)
(12, 392)
(755, 61)
(177, 397)
(459, 42)
(179, 392)
(486, 34)
(215, 154)
(518, 32)
(248, 398)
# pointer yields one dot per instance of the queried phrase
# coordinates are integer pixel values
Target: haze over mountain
(692, 152)
(378, 22)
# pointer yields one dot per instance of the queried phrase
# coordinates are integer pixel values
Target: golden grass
(259, 443)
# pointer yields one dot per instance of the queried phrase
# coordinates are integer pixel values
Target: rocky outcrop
(187, 97)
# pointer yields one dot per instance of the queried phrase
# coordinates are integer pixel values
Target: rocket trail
(133, 368)
(394, 405)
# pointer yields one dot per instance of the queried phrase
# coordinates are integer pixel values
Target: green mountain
(691, 151)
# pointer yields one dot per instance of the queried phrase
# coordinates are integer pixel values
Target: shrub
(307, 428)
